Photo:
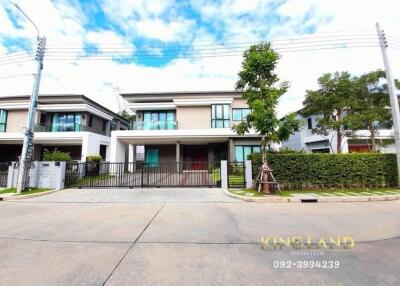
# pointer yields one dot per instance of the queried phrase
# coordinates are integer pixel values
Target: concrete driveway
(126, 237)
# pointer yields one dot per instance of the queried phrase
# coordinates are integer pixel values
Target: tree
(262, 90)
(127, 116)
(370, 104)
(332, 102)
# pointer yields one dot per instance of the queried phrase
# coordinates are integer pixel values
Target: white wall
(91, 144)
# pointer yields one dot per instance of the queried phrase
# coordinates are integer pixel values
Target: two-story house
(305, 139)
(185, 127)
(68, 122)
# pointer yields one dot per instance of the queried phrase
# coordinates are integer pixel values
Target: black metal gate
(140, 174)
(236, 175)
(3, 174)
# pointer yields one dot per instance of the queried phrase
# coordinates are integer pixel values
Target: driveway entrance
(142, 175)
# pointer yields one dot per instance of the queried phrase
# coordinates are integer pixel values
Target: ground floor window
(242, 151)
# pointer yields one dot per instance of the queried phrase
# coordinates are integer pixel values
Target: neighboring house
(68, 122)
(185, 127)
(310, 142)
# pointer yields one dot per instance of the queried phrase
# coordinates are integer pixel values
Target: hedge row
(307, 171)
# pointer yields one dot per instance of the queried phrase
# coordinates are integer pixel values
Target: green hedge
(56, 155)
(307, 171)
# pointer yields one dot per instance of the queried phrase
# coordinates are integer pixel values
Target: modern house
(185, 127)
(310, 142)
(68, 122)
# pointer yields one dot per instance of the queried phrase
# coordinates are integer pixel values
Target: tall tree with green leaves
(262, 90)
(331, 103)
(370, 104)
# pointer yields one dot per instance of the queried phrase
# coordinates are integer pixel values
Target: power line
(16, 75)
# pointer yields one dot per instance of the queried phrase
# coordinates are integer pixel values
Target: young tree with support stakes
(332, 102)
(262, 90)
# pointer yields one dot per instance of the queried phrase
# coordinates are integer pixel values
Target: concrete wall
(239, 103)
(16, 120)
(193, 117)
(48, 175)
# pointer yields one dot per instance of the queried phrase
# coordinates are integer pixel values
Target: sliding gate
(141, 175)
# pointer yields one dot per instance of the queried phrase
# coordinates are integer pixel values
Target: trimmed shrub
(308, 171)
(94, 158)
(56, 155)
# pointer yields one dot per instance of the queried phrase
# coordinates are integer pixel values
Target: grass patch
(246, 193)
(26, 192)
(343, 192)
(7, 191)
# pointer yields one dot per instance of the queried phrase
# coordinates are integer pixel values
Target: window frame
(4, 111)
(243, 153)
(225, 110)
(241, 113)
(309, 123)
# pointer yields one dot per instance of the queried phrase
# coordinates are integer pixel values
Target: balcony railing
(154, 125)
(66, 127)
(2, 127)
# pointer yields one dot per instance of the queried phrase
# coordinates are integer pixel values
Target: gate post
(248, 174)
(224, 174)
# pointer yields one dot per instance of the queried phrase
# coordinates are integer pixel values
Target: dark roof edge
(181, 93)
(75, 95)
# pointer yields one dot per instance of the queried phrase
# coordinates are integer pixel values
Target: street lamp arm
(29, 19)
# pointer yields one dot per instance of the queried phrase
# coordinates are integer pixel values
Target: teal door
(152, 158)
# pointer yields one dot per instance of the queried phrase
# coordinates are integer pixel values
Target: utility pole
(27, 148)
(394, 102)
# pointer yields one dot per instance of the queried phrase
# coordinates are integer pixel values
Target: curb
(21, 197)
(347, 199)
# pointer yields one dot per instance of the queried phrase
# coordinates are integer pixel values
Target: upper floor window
(3, 120)
(158, 120)
(220, 116)
(239, 114)
(90, 123)
(104, 125)
(63, 122)
(113, 127)
(309, 123)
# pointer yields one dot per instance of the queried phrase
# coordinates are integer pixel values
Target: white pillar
(249, 174)
(60, 176)
(132, 158)
(90, 145)
(117, 150)
(10, 176)
(224, 174)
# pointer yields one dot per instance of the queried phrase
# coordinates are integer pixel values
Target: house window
(113, 127)
(239, 114)
(90, 123)
(309, 123)
(220, 116)
(3, 120)
(104, 125)
(242, 151)
(159, 120)
(64, 122)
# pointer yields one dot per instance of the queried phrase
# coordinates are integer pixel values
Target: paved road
(86, 237)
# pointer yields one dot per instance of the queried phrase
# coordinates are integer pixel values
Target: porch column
(132, 157)
(178, 156)
(231, 156)
(117, 153)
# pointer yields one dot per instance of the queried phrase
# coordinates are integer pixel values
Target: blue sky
(145, 42)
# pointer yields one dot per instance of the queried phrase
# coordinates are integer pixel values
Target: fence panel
(140, 174)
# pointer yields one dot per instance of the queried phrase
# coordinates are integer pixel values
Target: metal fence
(3, 174)
(140, 174)
(236, 175)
